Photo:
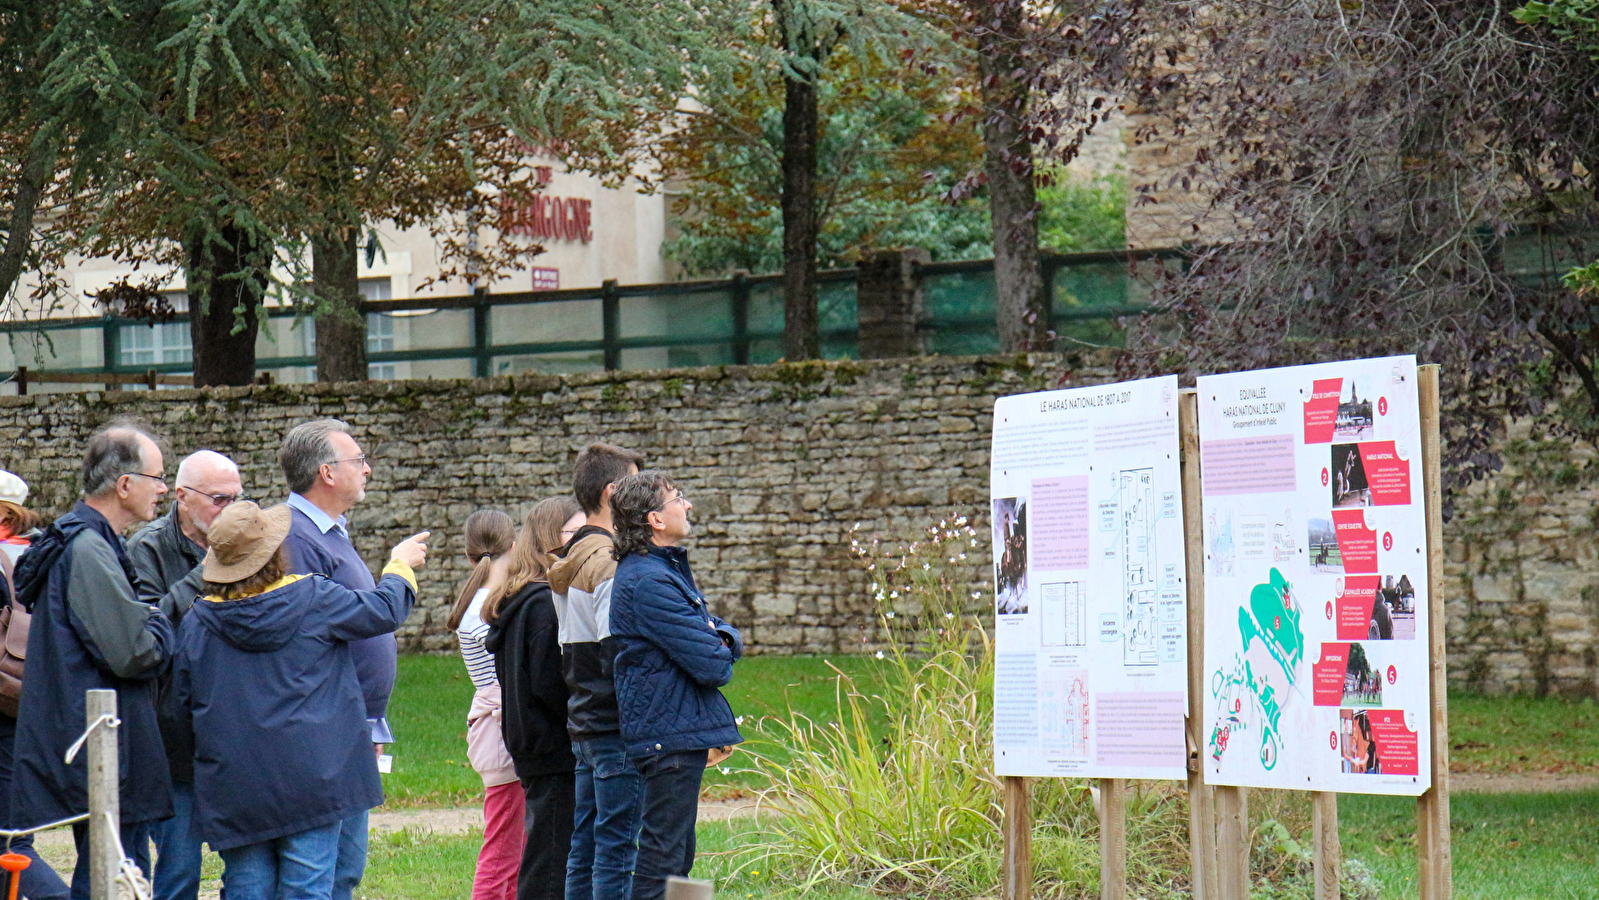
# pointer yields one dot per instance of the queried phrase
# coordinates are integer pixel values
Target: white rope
(105, 719)
(129, 883)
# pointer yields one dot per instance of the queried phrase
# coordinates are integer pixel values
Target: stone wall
(1522, 572)
(781, 462)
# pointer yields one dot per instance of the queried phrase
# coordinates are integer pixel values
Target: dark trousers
(38, 880)
(666, 832)
(548, 805)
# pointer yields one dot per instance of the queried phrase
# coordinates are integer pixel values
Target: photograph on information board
(1315, 578)
(1091, 621)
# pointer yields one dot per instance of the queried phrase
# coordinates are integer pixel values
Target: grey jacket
(168, 564)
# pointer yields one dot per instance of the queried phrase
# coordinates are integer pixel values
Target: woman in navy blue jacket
(283, 752)
(674, 655)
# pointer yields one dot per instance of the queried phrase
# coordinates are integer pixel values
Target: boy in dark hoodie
(608, 791)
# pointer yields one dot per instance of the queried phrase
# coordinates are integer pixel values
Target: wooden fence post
(1434, 857)
(688, 889)
(105, 805)
(1201, 797)
(1018, 839)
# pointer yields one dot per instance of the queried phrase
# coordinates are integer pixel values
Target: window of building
(379, 327)
(150, 345)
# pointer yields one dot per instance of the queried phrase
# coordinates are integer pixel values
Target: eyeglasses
(217, 500)
(158, 478)
(358, 460)
(675, 499)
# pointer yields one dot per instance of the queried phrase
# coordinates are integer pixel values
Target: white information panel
(1091, 602)
(1315, 543)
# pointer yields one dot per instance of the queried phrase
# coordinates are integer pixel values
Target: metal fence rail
(614, 326)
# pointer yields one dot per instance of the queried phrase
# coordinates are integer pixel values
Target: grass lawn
(1522, 734)
(432, 694)
(1533, 846)
(1505, 846)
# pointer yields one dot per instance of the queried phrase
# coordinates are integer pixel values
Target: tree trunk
(37, 170)
(801, 327)
(340, 323)
(1021, 305)
(226, 281)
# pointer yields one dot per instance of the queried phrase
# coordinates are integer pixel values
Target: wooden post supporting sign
(1329, 852)
(1018, 839)
(1201, 798)
(1112, 838)
(1433, 855)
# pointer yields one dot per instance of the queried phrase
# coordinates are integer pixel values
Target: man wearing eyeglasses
(90, 631)
(326, 472)
(167, 553)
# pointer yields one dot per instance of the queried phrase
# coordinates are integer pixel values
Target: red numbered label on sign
(1388, 540)
(1324, 477)
(1393, 674)
(1329, 611)
(1332, 739)
(1382, 406)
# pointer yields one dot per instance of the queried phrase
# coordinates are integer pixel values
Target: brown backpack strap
(11, 583)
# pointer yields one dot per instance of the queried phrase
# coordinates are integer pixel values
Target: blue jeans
(38, 880)
(352, 856)
(177, 848)
(608, 795)
(295, 867)
(135, 843)
(666, 833)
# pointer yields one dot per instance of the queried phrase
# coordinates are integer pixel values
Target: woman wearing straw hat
(283, 752)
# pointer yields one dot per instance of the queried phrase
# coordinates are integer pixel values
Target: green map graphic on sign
(1252, 696)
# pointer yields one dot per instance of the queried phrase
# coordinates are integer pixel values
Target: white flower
(927, 565)
(949, 615)
(738, 720)
(726, 770)
(893, 593)
(962, 556)
(891, 614)
(974, 542)
(977, 595)
(952, 559)
(879, 654)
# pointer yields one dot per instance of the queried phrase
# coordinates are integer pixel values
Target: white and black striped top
(471, 632)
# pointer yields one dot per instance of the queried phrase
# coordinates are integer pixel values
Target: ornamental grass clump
(897, 793)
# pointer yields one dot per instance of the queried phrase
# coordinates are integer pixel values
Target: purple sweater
(313, 553)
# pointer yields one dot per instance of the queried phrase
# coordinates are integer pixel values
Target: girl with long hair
(525, 641)
(489, 545)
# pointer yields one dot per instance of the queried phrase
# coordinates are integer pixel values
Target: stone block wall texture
(781, 463)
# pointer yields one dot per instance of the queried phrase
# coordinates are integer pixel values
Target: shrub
(898, 794)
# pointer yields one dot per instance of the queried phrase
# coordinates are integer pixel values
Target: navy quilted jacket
(672, 657)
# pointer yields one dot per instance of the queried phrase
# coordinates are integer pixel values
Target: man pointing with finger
(326, 473)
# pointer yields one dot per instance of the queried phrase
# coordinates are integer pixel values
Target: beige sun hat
(243, 539)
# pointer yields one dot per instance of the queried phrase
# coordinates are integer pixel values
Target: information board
(1315, 548)
(1091, 595)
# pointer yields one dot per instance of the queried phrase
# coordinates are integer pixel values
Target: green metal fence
(627, 327)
